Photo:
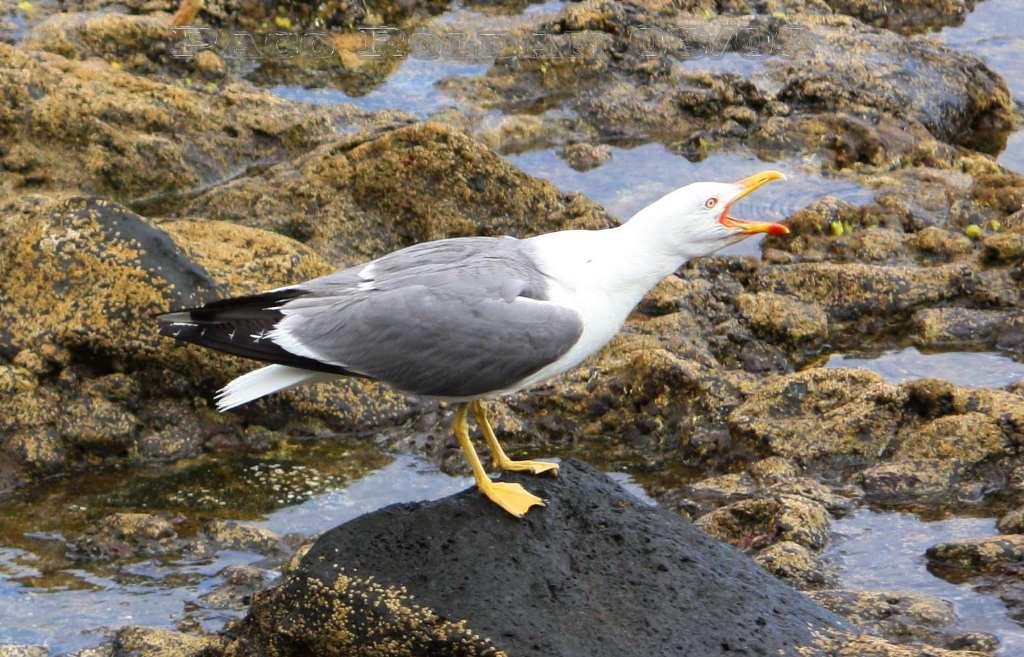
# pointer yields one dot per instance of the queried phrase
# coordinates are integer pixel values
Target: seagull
(469, 319)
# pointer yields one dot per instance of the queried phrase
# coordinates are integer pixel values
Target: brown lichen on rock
(357, 199)
(822, 413)
(899, 616)
(783, 316)
(88, 127)
(959, 559)
(761, 521)
(354, 617)
(797, 565)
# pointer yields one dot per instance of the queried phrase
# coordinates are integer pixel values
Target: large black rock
(595, 573)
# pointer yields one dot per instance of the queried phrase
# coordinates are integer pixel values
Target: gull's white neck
(624, 262)
(602, 275)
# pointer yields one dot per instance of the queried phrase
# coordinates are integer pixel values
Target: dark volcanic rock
(594, 573)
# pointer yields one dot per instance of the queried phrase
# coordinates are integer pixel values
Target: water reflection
(635, 177)
(995, 32)
(406, 479)
(902, 539)
(963, 368)
(411, 88)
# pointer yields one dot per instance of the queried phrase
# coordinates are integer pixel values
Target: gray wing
(452, 318)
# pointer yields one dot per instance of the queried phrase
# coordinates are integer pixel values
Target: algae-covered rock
(784, 316)
(135, 40)
(88, 275)
(900, 616)
(908, 16)
(127, 536)
(1005, 247)
(81, 280)
(855, 292)
(758, 522)
(843, 89)
(822, 413)
(971, 557)
(937, 327)
(588, 575)
(797, 565)
(357, 199)
(240, 582)
(1012, 522)
(20, 650)
(994, 564)
(230, 535)
(918, 440)
(89, 127)
(904, 481)
(157, 642)
(584, 157)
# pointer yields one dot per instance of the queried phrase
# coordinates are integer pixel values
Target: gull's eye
(711, 202)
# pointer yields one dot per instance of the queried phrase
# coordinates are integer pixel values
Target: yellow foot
(512, 497)
(533, 467)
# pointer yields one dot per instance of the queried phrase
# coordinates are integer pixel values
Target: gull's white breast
(584, 272)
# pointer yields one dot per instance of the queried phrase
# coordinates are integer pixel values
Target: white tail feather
(264, 381)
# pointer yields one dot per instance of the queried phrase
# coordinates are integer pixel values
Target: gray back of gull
(455, 318)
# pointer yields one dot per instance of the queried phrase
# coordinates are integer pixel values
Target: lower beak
(747, 186)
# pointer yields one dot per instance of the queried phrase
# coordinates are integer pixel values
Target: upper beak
(747, 186)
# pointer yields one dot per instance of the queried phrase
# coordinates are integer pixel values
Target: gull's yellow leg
(512, 497)
(498, 457)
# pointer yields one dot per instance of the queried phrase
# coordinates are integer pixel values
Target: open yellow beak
(747, 186)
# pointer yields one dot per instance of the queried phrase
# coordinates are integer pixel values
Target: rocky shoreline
(133, 181)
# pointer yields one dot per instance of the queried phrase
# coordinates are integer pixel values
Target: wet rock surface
(904, 618)
(144, 138)
(994, 565)
(771, 104)
(436, 561)
(156, 642)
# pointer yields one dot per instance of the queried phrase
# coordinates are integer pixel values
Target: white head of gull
(472, 318)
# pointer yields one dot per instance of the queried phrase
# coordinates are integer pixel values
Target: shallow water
(635, 177)
(301, 491)
(995, 32)
(300, 488)
(885, 552)
(456, 51)
(974, 369)
(411, 88)
(406, 479)
(748, 67)
(65, 618)
(16, 21)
